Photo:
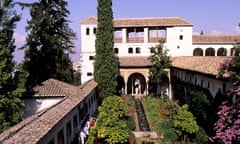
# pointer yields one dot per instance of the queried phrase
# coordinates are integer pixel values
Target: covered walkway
(60, 123)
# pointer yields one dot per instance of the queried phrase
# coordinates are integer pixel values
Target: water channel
(142, 120)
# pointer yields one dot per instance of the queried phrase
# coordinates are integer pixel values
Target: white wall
(144, 48)
(176, 46)
(87, 49)
(204, 81)
(88, 41)
(86, 67)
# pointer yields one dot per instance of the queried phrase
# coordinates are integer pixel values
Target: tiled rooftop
(33, 128)
(215, 39)
(50, 87)
(134, 61)
(206, 65)
(91, 19)
(146, 22)
(202, 64)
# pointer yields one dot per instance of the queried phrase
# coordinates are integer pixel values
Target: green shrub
(201, 136)
(167, 109)
(130, 123)
(168, 131)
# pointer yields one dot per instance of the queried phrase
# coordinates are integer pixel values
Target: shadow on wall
(34, 105)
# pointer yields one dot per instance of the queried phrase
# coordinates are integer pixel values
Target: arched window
(91, 57)
(181, 37)
(210, 52)
(130, 50)
(94, 30)
(116, 50)
(222, 52)
(87, 31)
(138, 50)
(89, 73)
(197, 52)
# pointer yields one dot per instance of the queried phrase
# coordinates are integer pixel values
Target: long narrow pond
(142, 120)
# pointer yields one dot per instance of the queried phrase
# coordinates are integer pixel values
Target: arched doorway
(210, 52)
(222, 52)
(161, 89)
(198, 52)
(136, 84)
(120, 85)
(165, 85)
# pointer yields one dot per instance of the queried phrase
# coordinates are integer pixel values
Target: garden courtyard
(168, 122)
(149, 120)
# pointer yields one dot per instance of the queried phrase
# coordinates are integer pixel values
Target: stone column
(170, 90)
(146, 91)
(124, 35)
(228, 52)
(146, 35)
(125, 88)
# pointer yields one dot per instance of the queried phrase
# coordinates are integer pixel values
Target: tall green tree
(105, 66)
(49, 43)
(160, 62)
(10, 102)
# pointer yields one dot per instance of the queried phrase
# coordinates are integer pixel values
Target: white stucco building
(133, 38)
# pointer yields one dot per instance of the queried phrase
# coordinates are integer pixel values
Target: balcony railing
(135, 40)
(155, 39)
(117, 40)
(140, 40)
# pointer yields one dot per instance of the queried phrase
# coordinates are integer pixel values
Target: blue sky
(211, 16)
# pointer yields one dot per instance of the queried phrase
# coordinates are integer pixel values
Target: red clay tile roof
(33, 128)
(202, 64)
(134, 61)
(215, 39)
(146, 22)
(51, 87)
(206, 65)
(91, 19)
(154, 21)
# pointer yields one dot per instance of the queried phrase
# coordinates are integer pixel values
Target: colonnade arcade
(214, 52)
(136, 82)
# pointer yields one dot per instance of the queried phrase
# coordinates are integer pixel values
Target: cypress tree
(10, 102)
(105, 66)
(49, 43)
